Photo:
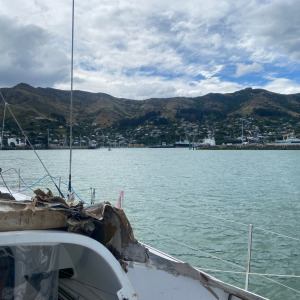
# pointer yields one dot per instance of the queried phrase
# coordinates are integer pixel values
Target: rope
(73, 191)
(41, 179)
(19, 177)
(63, 184)
(92, 286)
(30, 187)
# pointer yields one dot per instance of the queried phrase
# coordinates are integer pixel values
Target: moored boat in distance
(183, 144)
(288, 141)
(208, 141)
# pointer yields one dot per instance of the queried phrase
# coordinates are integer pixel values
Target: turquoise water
(190, 203)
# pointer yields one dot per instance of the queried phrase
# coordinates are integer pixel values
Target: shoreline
(252, 147)
(216, 147)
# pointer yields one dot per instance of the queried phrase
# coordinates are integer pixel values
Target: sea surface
(194, 205)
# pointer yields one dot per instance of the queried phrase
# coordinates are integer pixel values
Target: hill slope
(28, 102)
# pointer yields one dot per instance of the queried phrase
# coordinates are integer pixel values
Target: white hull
(42, 258)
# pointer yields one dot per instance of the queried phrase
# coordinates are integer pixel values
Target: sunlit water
(190, 203)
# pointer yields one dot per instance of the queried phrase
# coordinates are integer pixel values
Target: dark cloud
(29, 55)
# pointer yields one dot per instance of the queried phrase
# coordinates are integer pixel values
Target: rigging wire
(5, 182)
(26, 138)
(28, 187)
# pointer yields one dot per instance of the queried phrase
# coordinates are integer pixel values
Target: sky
(140, 49)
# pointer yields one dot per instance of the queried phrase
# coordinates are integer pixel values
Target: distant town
(229, 133)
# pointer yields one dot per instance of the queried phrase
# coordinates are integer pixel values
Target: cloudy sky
(157, 48)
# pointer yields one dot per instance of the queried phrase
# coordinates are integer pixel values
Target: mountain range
(105, 110)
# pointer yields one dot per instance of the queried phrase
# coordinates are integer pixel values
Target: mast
(242, 131)
(3, 124)
(71, 108)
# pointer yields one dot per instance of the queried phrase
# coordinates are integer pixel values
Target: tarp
(102, 222)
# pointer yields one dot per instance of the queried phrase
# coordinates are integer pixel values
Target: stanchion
(248, 257)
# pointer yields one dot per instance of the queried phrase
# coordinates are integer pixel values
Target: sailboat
(56, 248)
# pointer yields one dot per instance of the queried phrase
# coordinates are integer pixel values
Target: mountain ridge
(106, 110)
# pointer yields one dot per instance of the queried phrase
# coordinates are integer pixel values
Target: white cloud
(210, 71)
(141, 49)
(243, 69)
(210, 85)
(272, 30)
(283, 86)
(152, 87)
